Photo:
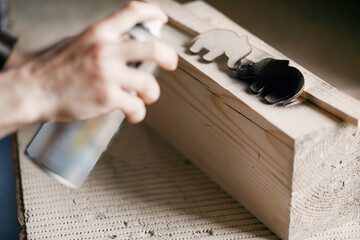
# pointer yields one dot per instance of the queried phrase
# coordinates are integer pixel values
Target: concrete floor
(322, 35)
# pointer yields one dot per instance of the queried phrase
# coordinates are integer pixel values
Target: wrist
(15, 59)
(28, 102)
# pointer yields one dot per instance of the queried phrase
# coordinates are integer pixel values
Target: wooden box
(295, 167)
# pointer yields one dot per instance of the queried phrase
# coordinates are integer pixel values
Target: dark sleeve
(3, 15)
(7, 40)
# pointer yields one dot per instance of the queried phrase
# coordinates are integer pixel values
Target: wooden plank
(248, 162)
(209, 116)
(316, 90)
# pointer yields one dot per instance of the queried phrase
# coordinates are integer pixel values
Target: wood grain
(248, 162)
(296, 167)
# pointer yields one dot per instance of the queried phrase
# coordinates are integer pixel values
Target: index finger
(120, 22)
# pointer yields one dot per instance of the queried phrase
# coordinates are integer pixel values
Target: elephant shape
(222, 41)
(274, 79)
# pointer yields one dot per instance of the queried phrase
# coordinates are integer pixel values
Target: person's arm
(87, 76)
(18, 100)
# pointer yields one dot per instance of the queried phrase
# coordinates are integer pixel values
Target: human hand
(88, 75)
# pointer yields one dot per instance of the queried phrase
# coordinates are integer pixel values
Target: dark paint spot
(275, 80)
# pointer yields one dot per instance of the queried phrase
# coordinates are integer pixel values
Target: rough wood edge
(18, 187)
(326, 181)
(333, 100)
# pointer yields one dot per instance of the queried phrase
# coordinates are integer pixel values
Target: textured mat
(142, 187)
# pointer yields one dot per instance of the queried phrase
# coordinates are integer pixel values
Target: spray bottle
(69, 151)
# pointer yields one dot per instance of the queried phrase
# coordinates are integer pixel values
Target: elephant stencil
(222, 41)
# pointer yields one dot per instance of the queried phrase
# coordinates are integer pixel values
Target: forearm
(19, 98)
(18, 93)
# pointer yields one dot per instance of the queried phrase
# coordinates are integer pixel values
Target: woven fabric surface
(141, 188)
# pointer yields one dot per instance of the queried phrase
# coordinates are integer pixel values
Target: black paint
(274, 79)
